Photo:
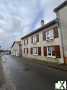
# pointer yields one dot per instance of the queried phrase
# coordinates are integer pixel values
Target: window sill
(48, 40)
(51, 56)
(35, 54)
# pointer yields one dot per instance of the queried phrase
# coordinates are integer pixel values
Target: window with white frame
(35, 51)
(49, 35)
(50, 51)
(34, 39)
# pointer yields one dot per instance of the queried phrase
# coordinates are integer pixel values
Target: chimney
(42, 22)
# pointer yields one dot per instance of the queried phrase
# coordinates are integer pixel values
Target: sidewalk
(2, 79)
(62, 67)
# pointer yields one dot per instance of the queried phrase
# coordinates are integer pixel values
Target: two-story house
(44, 43)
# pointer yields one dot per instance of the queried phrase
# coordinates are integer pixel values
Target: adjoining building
(44, 43)
(16, 48)
(61, 12)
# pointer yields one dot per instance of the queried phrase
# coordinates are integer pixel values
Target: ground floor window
(52, 51)
(36, 51)
(25, 50)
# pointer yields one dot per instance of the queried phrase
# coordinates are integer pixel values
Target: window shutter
(44, 35)
(24, 50)
(39, 51)
(57, 51)
(24, 42)
(31, 50)
(27, 50)
(32, 39)
(55, 32)
(37, 38)
(27, 41)
(45, 51)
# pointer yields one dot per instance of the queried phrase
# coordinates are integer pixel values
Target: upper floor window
(51, 34)
(35, 38)
(26, 42)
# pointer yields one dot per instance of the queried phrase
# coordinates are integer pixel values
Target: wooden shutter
(24, 50)
(39, 51)
(37, 38)
(32, 39)
(55, 32)
(45, 51)
(44, 35)
(27, 41)
(27, 50)
(31, 50)
(57, 51)
(24, 42)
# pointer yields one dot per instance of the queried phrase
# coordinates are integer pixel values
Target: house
(44, 43)
(16, 48)
(61, 13)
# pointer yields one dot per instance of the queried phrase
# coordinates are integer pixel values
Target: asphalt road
(23, 75)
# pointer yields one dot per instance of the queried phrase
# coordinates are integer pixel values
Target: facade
(16, 48)
(61, 12)
(44, 43)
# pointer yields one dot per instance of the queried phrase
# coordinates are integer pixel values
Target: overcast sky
(20, 17)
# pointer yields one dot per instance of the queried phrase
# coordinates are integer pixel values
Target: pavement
(2, 78)
(25, 74)
(62, 67)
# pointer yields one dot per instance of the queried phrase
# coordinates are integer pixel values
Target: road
(23, 75)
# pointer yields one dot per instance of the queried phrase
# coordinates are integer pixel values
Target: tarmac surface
(23, 75)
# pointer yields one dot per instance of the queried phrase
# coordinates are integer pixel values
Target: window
(49, 35)
(35, 51)
(35, 38)
(52, 51)
(25, 50)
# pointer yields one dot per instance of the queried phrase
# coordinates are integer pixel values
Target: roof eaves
(43, 27)
(60, 6)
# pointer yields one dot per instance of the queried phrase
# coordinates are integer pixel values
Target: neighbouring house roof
(15, 42)
(60, 6)
(53, 22)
